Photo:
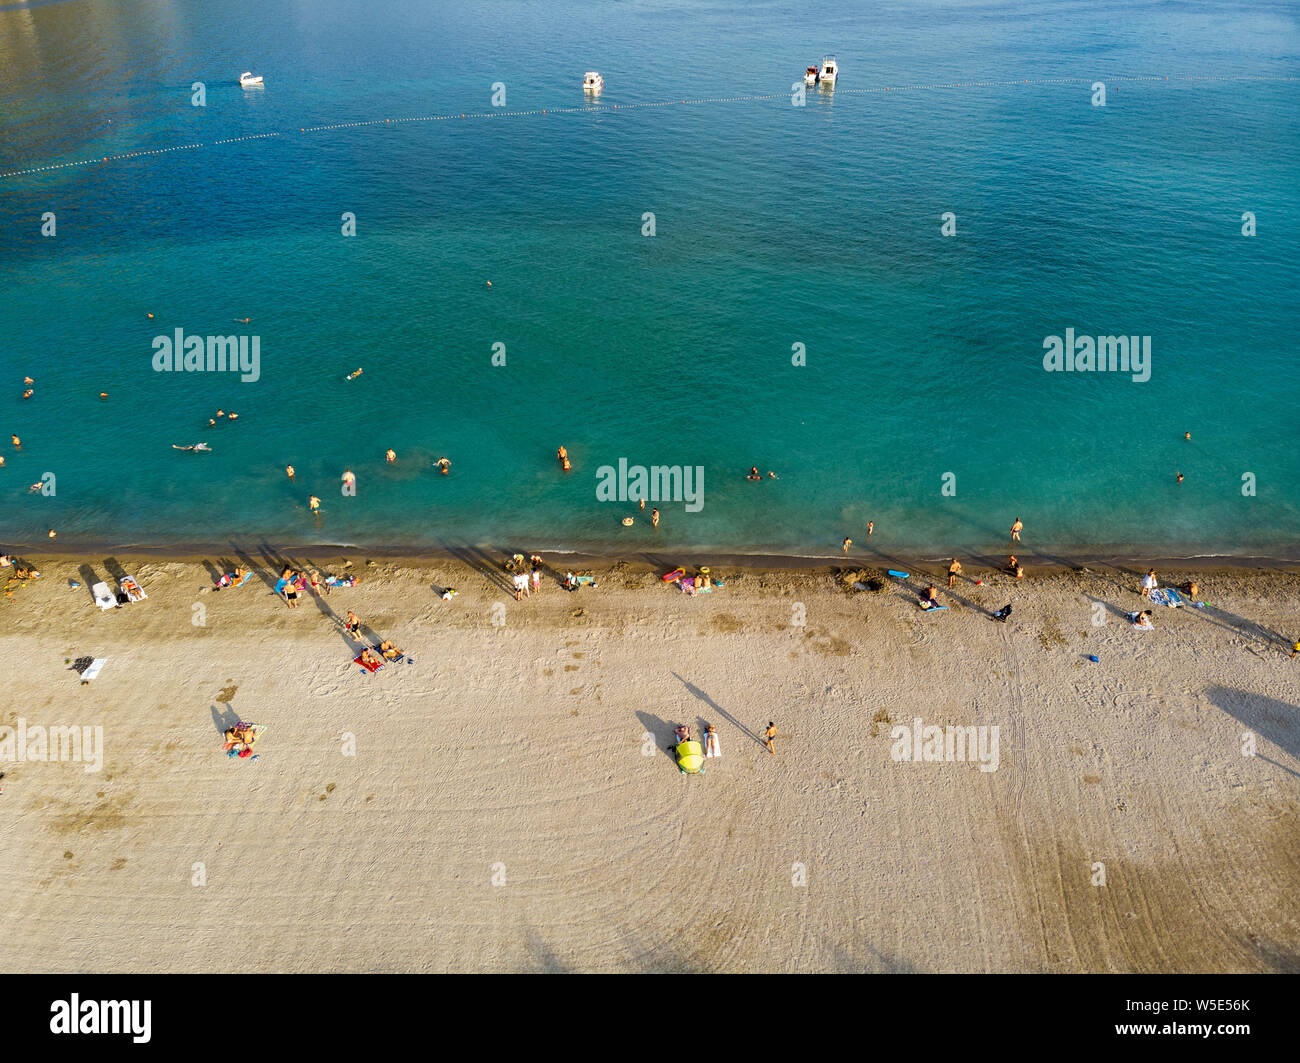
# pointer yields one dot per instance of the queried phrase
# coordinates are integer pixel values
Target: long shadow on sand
(718, 709)
(482, 562)
(1277, 721)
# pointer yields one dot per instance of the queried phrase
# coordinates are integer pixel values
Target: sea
(706, 267)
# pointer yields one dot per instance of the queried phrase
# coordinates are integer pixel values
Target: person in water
(289, 470)
(444, 465)
(847, 543)
(753, 473)
(314, 504)
(1016, 529)
(654, 517)
(390, 456)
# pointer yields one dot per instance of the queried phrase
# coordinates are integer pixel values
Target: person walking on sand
(711, 747)
(1016, 529)
(521, 585)
(847, 543)
(953, 571)
(353, 626)
(768, 735)
(1149, 583)
(537, 579)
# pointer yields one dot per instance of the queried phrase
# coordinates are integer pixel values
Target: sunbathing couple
(371, 660)
(243, 734)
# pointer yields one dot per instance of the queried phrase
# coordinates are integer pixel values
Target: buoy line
(590, 109)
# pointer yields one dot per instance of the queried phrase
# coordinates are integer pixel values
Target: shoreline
(667, 559)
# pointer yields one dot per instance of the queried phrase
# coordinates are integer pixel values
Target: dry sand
(500, 813)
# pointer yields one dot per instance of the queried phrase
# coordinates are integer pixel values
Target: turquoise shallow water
(775, 225)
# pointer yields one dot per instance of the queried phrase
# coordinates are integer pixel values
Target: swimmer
(16, 441)
(566, 465)
(561, 454)
(354, 374)
(654, 517)
(444, 465)
(27, 394)
(489, 284)
(103, 394)
(772, 475)
(349, 477)
(211, 423)
(1180, 477)
(289, 471)
(390, 456)
(847, 543)
(243, 320)
(28, 380)
(2, 460)
(33, 488)
(232, 417)
(191, 446)
(1187, 435)
(753, 473)
(221, 413)
(313, 504)
(51, 533)
(643, 505)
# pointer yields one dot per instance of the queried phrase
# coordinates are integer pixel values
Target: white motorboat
(592, 81)
(810, 76)
(830, 70)
(248, 80)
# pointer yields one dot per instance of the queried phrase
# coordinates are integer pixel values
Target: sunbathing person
(369, 659)
(389, 650)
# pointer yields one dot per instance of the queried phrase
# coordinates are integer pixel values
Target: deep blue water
(775, 225)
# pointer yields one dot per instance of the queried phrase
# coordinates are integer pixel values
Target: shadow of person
(662, 731)
(698, 693)
(224, 718)
(1273, 720)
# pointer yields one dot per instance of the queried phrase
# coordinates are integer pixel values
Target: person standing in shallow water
(1016, 529)
(654, 517)
(847, 543)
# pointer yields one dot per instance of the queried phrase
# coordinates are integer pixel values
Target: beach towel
(369, 666)
(103, 596)
(132, 589)
(96, 666)
(1169, 597)
(335, 581)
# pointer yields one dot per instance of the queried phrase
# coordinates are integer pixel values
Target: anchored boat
(592, 81)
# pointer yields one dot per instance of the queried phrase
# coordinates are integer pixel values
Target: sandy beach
(505, 802)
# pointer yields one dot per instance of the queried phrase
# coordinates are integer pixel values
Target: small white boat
(592, 81)
(830, 70)
(810, 76)
(248, 80)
